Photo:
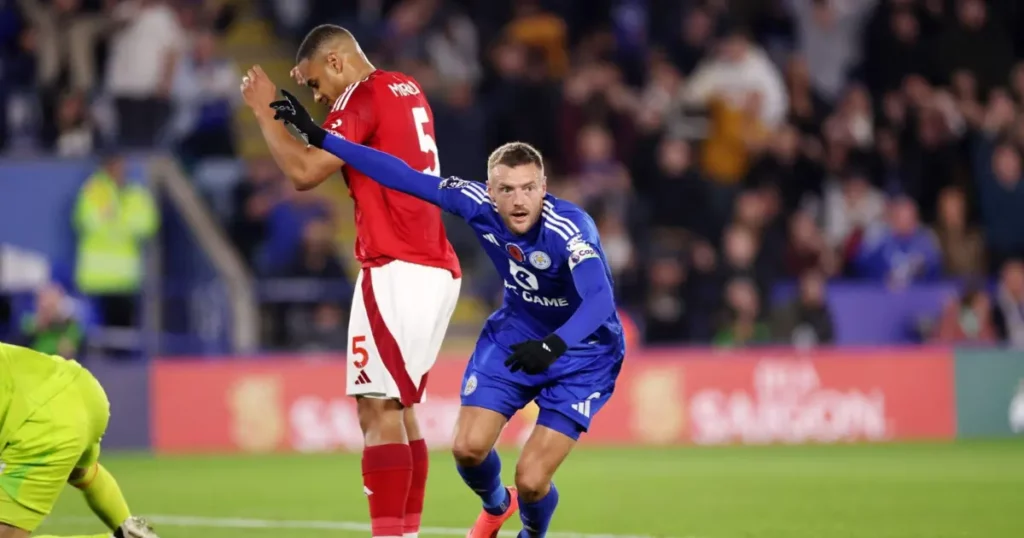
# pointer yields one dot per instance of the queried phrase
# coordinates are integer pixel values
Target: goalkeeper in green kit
(53, 414)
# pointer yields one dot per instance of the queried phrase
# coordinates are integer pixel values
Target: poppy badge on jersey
(515, 252)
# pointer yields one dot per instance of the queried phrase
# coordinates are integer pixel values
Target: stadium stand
(762, 173)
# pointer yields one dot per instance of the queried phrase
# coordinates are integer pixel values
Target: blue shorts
(569, 393)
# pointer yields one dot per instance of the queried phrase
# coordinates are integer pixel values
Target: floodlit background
(813, 210)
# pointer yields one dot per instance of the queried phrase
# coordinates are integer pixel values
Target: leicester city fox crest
(540, 260)
(470, 385)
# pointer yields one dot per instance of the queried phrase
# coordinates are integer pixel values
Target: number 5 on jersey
(359, 351)
(427, 143)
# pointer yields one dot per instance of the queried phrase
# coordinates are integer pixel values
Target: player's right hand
(290, 111)
(257, 90)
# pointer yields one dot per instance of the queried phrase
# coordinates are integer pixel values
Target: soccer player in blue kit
(556, 339)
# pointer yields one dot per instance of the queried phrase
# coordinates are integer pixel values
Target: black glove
(535, 356)
(290, 111)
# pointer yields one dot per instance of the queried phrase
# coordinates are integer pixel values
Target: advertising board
(662, 398)
(990, 393)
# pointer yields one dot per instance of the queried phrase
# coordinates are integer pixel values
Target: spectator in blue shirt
(997, 177)
(286, 224)
(899, 251)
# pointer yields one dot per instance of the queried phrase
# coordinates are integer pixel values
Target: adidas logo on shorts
(362, 379)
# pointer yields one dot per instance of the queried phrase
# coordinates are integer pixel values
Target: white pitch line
(247, 523)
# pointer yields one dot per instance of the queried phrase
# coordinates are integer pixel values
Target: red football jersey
(389, 112)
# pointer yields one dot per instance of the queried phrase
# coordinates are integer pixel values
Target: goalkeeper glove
(535, 356)
(290, 111)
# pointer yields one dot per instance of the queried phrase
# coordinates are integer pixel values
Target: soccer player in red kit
(409, 283)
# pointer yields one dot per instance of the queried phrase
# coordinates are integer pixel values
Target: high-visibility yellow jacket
(112, 222)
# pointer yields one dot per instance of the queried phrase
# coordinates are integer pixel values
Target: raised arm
(385, 169)
(466, 199)
(305, 166)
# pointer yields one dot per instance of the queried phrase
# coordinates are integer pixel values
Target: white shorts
(400, 313)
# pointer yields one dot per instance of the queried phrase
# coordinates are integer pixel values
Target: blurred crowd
(722, 146)
(725, 146)
(79, 76)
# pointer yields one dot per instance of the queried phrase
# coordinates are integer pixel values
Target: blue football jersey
(540, 294)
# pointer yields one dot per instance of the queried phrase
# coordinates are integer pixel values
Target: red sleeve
(352, 116)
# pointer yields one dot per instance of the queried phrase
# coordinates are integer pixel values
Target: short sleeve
(464, 198)
(352, 116)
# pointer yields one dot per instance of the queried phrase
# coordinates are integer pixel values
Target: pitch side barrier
(664, 397)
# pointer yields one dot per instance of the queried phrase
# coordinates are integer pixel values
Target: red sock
(387, 470)
(418, 487)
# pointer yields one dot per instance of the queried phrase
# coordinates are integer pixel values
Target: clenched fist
(258, 91)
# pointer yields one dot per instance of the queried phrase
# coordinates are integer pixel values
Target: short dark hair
(515, 154)
(317, 38)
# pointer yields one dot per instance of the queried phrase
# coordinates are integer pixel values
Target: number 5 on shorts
(360, 351)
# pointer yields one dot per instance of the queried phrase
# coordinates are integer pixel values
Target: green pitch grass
(883, 491)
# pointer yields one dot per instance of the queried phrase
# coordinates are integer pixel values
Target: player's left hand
(291, 111)
(257, 90)
(535, 356)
